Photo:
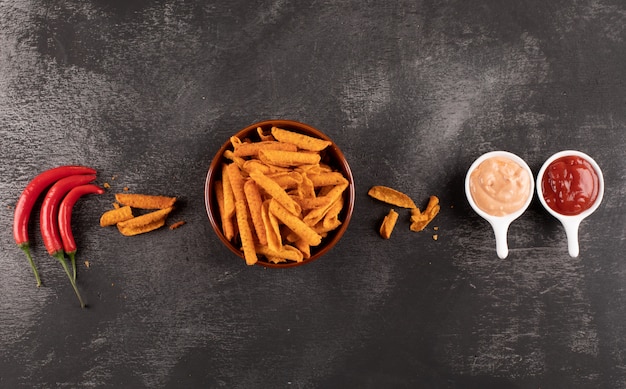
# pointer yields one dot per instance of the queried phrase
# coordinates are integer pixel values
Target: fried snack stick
(275, 191)
(144, 223)
(294, 223)
(229, 197)
(228, 227)
(305, 189)
(388, 224)
(272, 228)
(178, 224)
(391, 196)
(143, 201)
(331, 219)
(303, 142)
(327, 179)
(228, 154)
(255, 203)
(115, 216)
(419, 220)
(304, 248)
(241, 213)
(252, 149)
(286, 252)
(288, 158)
(287, 180)
(263, 136)
(255, 164)
(318, 213)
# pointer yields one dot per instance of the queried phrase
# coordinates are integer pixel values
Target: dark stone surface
(413, 92)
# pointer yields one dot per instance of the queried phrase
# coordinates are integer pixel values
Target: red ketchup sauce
(570, 185)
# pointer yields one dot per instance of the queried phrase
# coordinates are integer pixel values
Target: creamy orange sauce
(499, 186)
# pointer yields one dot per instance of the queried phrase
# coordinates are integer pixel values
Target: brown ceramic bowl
(331, 156)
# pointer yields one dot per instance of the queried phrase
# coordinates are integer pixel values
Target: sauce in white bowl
(499, 186)
(570, 186)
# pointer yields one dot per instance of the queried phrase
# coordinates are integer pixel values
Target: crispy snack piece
(229, 154)
(115, 216)
(143, 201)
(228, 226)
(391, 196)
(255, 164)
(303, 142)
(286, 252)
(388, 224)
(132, 231)
(255, 203)
(272, 228)
(287, 180)
(275, 191)
(252, 149)
(305, 189)
(331, 219)
(317, 214)
(295, 224)
(144, 223)
(419, 220)
(263, 136)
(288, 158)
(242, 214)
(327, 179)
(177, 224)
(229, 197)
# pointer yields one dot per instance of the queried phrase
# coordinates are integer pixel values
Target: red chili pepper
(65, 219)
(49, 219)
(27, 200)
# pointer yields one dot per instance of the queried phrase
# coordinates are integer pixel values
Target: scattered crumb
(87, 264)
(112, 284)
(435, 237)
(177, 224)
(126, 189)
(113, 178)
(106, 185)
(116, 205)
(436, 228)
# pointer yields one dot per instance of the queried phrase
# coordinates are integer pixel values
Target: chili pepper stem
(72, 256)
(26, 248)
(61, 257)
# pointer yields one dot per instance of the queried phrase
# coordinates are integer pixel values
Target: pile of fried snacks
(127, 223)
(419, 220)
(276, 197)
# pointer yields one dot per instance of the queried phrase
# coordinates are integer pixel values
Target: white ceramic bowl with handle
(500, 224)
(571, 223)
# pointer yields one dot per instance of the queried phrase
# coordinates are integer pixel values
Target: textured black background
(412, 92)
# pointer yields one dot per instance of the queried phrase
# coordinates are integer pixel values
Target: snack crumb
(435, 237)
(177, 224)
(87, 264)
(126, 189)
(106, 185)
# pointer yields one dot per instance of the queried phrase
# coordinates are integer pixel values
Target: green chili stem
(26, 249)
(61, 257)
(73, 260)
